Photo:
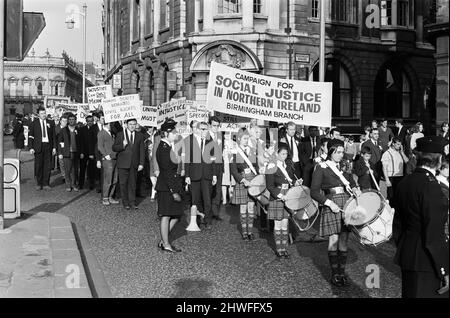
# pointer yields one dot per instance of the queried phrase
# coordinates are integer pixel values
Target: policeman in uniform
(419, 221)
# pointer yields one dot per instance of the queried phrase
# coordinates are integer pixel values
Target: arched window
(392, 92)
(39, 89)
(26, 86)
(336, 73)
(13, 86)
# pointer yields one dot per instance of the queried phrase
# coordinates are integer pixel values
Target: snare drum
(257, 189)
(299, 202)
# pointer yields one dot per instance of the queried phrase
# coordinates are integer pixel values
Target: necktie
(44, 130)
(203, 144)
(292, 145)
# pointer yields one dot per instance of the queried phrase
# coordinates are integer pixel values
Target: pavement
(215, 263)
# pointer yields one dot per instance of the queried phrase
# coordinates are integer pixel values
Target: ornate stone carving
(226, 54)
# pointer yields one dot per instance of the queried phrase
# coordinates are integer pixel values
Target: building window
(344, 11)
(56, 90)
(149, 19)
(336, 73)
(12, 86)
(39, 89)
(12, 111)
(315, 13)
(228, 6)
(165, 14)
(136, 19)
(404, 9)
(257, 6)
(392, 94)
(26, 87)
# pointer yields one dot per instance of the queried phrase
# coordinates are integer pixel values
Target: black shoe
(345, 280)
(176, 249)
(251, 236)
(168, 249)
(315, 238)
(245, 236)
(336, 280)
(161, 245)
(218, 218)
(134, 207)
(286, 254)
(279, 254)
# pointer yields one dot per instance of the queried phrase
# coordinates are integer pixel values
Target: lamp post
(70, 25)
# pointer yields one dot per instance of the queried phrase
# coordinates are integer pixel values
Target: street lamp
(70, 23)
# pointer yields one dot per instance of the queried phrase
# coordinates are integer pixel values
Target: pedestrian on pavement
(279, 179)
(337, 186)
(168, 186)
(129, 146)
(58, 128)
(42, 143)
(419, 225)
(105, 141)
(385, 135)
(401, 131)
(394, 161)
(69, 143)
(18, 132)
(244, 168)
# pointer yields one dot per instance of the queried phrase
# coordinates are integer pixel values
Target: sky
(57, 38)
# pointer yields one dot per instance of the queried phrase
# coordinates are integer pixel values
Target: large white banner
(149, 116)
(122, 108)
(236, 92)
(96, 94)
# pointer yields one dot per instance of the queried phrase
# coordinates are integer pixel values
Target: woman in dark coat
(336, 186)
(18, 133)
(278, 181)
(168, 186)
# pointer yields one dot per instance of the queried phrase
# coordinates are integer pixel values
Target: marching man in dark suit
(87, 152)
(129, 146)
(308, 150)
(200, 170)
(217, 137)
(42, 145)
(376, 152)
(292, 142)
(419, 225)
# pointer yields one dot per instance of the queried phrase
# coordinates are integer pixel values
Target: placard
(122, 108)
(96, 94)
(149, 116)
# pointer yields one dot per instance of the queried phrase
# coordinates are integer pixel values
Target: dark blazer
(219, 152)
(290, 151)
(274, 181)
(419, 221)
(131, 156)
(88, 140)
(168, 180)
(306, 149)
(198, 167)
(402, 134)
(238, 165)
(375, 159)
(35, 135)
(64, 138)
(362, 172)
(105, 141)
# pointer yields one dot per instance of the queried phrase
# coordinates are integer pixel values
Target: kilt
(276, 210)
(333, 223)
(240, 194)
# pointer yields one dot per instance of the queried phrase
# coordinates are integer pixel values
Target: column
(156, 21)
(209, 8)
(131, 22)
(247, 15)
(394, 13)
(273, 14)
(142, 15)
(197, 16)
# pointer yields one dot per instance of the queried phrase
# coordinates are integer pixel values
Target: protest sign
(96, 94)
(62, 108)
(236, 92)
(149, 116)
(82, 112)
(197, 115)
(122, 108)
(175, 109)
(51, 101)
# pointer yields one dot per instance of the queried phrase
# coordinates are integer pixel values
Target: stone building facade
(28, 82)
(377, 53)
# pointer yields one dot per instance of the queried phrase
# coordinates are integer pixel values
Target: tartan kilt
(333, 223)
(276, 210)
(240, 194)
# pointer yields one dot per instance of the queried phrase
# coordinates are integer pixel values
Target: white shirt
(414, 138)
(199, 140)
(131, 136)
(100, 126)
(313, 147)
(393, 162)
(293, 145)
(44, 128)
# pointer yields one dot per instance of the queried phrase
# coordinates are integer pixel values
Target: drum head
(297, 198)
(370, 202)
(257, 186)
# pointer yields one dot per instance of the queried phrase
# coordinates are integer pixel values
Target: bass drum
(301, 206)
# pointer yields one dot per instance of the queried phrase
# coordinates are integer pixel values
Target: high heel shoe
(279, 254)
(286, 254)
(168, 249)
(251, 236)
(161, 245)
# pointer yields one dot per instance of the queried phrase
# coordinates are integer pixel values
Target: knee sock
(333, 257)
(278, 238)
(284, 238)
(250, 218)
(342, 261)
(244, 223)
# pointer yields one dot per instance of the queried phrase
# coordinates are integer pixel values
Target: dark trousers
(297, 169)
(391, 190)
(109, 173)
(201, 192)
(420, 285)
(127, 181)
(307, 171)
(43, 165)
(91, 166)
(71, 166)
(217, 196)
